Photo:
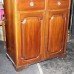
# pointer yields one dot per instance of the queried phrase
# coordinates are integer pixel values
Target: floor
(61, 65)
(52, 66)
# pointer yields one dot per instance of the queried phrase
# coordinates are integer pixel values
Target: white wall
(1, 31)
(1, 34)
(1, 1)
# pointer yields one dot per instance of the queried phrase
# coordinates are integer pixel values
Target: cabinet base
(19, 68)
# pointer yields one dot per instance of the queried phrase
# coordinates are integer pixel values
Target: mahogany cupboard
(36, 30)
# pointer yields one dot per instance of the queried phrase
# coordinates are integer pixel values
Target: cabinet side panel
(9, 26)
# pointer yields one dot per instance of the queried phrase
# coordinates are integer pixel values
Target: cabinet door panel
(31, 37)
(56, 33)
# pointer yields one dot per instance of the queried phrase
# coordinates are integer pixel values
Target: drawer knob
(59, 3)
(24, 21)
(31, 4)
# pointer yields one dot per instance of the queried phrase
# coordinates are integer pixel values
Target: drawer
(58, 4)
(30, 4)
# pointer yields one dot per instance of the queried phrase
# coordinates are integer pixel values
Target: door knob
(31, 3)
(24, 21)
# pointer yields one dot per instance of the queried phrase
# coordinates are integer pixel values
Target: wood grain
(56, 33)
(58, 4)
(31, 37)
(25, 5)
(38, 32)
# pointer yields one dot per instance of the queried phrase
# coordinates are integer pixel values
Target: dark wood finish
(28, 5)
(56, 30)
(30, 35)
(9, 26)
(58, 4)
(36, 30)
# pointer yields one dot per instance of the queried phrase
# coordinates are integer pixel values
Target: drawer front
(30, 4)
(58, 4)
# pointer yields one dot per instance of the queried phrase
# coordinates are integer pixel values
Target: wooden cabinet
(36, 30)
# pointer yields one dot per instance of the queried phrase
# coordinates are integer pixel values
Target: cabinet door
(57, 29)
(31, 36)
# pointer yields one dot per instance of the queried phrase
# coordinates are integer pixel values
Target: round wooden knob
(59, 3)
(31, 4)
